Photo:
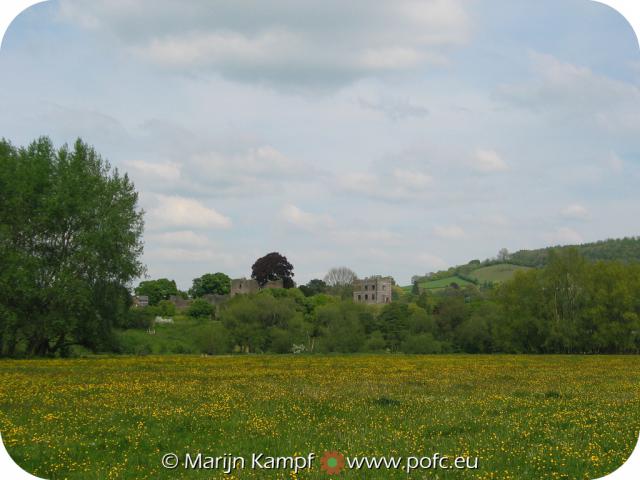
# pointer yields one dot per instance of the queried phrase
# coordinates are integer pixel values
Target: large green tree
(70, 243)
(217, 283)
(157, 290)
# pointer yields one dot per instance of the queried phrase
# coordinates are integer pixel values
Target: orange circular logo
(332, 462)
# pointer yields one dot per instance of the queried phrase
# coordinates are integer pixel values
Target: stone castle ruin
(373, 290)
(249, 285)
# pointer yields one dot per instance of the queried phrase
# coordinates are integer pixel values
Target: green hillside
(440, 283)
(625, 250)
(496, 273)
(621, 249)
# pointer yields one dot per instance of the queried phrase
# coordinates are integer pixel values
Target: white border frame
(10, 9)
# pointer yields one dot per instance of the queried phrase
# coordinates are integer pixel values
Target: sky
(394, 137)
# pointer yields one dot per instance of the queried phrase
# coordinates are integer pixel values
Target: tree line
(70, 246)
(569, 306)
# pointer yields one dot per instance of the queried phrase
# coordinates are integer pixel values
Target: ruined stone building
(372, 290)
(140, 300)
(182, 304)
(249, 285)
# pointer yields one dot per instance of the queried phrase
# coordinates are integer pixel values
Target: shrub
(422, 343)
(375, 343)
(213, 339)
(140, 317)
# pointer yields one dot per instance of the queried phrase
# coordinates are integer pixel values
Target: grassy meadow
(440, 283)
(524, 417)
(499, 273)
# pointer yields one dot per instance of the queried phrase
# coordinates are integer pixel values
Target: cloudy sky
(394, 137)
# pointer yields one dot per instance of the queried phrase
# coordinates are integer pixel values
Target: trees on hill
(572, 306)
(70, 242)
(621, 249)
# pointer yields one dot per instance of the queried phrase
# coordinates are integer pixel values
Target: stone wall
(215, 299)
(180, 303)
(243, 286)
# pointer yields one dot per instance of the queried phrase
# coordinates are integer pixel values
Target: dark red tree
(273, 266)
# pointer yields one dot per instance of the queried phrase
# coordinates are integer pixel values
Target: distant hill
(496, 271)
(623, 249)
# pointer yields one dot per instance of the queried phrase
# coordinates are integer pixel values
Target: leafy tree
(216, 283)
(474, 335)
(451, 312)
(157, 290)
(314, 287)
(418, 321)
(375, 342)
(271, 267)
(423, 343)
(166, 308)
(70, 243)
(343, 331)
(393, 321)
(214, 339)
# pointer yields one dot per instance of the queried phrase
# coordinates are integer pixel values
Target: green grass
(524, 417)
(497, 273)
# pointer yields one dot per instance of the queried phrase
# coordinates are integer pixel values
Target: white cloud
(224, 49)
(614, 162)
(183, 238)
(298, 218)
(576, 94)
(391, 58)
(432, 262)
(395, 108)
(411, 179)
(359, 182)
(575, 211)
(175, 211)
(164, 171)
(283, 42)
(175, 255)
(250, 171)
(366, 237)
(258, 161)
(397, 185)
(488, 161)
(450, 231)
(495, 220)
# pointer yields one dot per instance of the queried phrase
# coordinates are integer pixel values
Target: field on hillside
(497, 273)
(441, 283)
(524, 417)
